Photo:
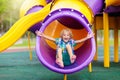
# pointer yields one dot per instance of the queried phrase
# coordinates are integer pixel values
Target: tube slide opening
(52, 25)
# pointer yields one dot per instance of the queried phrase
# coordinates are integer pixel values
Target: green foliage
(2, 6)
(9, 13)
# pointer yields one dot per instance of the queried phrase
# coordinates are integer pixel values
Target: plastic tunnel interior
(52, 25)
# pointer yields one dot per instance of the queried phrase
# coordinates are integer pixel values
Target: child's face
(66, 36)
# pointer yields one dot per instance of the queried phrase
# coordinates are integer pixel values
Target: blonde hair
(66, 30)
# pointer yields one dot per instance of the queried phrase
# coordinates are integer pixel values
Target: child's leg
(59, 60)
(70, 52)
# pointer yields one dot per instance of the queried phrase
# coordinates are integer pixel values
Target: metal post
(29, 46)
(90, 67)
(106, 39)
(116, 54)
(65, 76)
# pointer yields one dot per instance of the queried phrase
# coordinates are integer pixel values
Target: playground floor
(17, 66)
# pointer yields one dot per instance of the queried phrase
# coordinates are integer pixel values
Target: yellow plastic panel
(29, 4)
(78, 5)
(112, 2)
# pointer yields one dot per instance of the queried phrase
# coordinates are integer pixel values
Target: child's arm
(86, 38)
(43, 35)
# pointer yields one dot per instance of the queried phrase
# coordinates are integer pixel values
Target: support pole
(95, 31)
(90, 67)
(106, 39)
(29, 46)
(116, 55)
(65, 76)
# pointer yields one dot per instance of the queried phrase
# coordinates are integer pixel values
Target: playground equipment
(59, 16)
(109, 20)
(51, 17)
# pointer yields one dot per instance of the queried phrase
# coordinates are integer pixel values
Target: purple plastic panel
(32, 10)
(112, 9)
(48, 1)
(85, 53)
(95, 5)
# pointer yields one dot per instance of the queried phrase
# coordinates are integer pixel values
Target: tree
(9, 13)
(3, 6)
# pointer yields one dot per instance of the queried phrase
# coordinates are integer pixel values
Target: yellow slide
(21, 26)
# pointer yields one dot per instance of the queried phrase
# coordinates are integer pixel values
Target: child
(65, 44)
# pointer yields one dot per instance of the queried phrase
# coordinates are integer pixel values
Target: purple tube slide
(85, 53)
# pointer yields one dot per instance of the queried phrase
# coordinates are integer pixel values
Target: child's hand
(39, 33)
(90, 35)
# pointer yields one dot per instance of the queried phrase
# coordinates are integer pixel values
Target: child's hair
(66, 30)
